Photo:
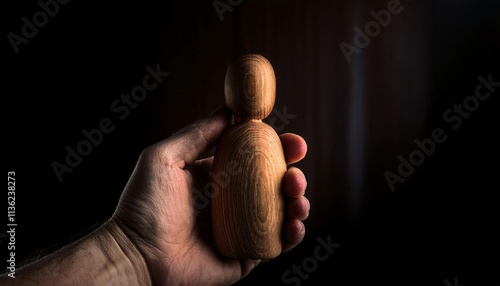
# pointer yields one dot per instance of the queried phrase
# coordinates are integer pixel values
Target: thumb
(189, 143)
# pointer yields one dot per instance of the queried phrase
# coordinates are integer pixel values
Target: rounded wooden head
(250, 87)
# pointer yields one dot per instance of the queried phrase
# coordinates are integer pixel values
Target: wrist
(104, 257)
(126, 263)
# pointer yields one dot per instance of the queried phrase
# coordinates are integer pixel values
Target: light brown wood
(248, 169)
(250, 87)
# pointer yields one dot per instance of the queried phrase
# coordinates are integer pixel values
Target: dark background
(439, 225)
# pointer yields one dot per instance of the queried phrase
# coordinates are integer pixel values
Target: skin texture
(158, 235)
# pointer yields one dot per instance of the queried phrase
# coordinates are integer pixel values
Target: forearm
(104, 257)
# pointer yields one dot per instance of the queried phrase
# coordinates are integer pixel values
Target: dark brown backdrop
(356, 117)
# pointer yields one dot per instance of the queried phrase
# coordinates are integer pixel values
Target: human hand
(158, 215)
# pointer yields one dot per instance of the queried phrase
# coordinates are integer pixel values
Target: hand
(157, 234)
(158, 214)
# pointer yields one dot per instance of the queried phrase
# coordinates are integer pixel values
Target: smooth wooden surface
(250, 87)
(247, 205)
(249, 165)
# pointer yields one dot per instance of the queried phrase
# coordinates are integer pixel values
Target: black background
(440, 224)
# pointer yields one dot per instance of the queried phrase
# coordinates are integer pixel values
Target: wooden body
(247, 204)
(249, 165)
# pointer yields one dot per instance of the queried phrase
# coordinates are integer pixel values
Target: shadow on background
(361, 85)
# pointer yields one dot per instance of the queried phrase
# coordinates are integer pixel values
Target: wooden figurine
(249, 165)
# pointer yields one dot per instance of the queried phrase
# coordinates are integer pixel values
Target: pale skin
(157, 235)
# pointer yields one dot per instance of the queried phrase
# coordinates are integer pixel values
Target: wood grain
(250, 87)
(247, 204)
(248, 168)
